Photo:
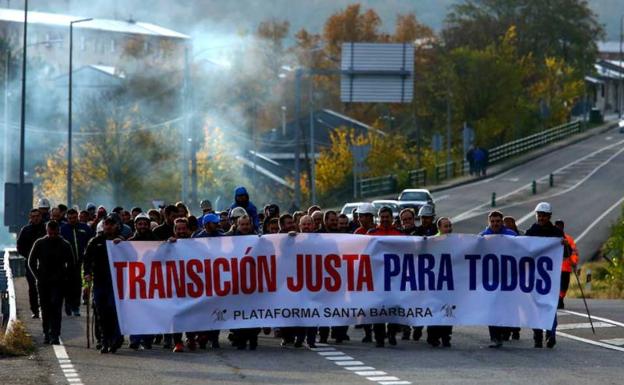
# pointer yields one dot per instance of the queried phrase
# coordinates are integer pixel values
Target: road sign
(377, 73)
(17, 205)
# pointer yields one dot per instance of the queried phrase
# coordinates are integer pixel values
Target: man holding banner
(543, 227)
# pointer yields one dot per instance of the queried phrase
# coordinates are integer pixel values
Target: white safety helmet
(366, 208)
(43, 203)
(237, 212)
(142, 216)
(543, 207)
(426, 211)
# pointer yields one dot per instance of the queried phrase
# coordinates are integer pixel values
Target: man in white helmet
(44, 208)
(543, 227)
(366, 218)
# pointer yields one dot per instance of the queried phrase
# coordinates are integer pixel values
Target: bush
(17, 342)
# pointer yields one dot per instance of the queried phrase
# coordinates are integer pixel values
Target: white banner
(335, 279)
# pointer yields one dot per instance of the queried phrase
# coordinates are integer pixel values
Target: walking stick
(88, 315)
(578, 281)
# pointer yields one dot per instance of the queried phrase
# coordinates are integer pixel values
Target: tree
(119, 161)
(565, 29)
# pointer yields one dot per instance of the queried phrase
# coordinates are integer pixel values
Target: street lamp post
(69, 110)
(23, 103)
(620, 93)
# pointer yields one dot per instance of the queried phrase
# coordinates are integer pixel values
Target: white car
(415, 198)
(393, 205)
(347, 209)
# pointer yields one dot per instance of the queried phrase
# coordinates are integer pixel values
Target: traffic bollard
(534, 187)
(588, 279)
(493, 199)
(551, 180)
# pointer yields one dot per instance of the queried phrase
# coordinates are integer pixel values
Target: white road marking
(594, 318)
(334, 353)
(383, 378)
(441, 198)
(346, 363)
(339, 358)
(567, 190)
(394, 382)
(65, 364)
(371, 373)
(471, 212)
(584, 325)
(595, 222)
(357, 367)
(591, 342)
(614, 341)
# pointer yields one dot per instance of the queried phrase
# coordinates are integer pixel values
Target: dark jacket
(205, 234)
(549, 230)
(50, 260)
(148, 236)
(78, 236)
(27, 237)
(96, 263)
(425, 231)
(163, 232)
(251, 209)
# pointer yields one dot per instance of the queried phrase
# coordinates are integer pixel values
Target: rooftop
(120, 26)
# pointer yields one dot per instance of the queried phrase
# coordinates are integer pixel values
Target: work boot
(417, 334)
(55, 341)
(134, 346)
(392, 340)
(538, 344)
(46, 339)
(550, 342)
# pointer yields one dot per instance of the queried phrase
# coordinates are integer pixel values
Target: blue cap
(210, 218)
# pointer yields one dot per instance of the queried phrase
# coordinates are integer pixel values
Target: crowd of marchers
(67, 255)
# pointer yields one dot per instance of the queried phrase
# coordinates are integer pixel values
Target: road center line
(357, 367)
(66, 366)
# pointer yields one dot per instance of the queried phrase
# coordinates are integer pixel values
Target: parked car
(415, 198)
(348, 209)
(393, 205)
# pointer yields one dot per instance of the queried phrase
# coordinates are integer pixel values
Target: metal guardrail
(7, 291)
(379, 185)
(530, 142)
(418, 178)
(444, 171)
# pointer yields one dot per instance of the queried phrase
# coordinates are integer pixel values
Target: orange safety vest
(572, 261)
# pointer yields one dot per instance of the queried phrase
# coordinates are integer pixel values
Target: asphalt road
(468, 361)
(588, 184)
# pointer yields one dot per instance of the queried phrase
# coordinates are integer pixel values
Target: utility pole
(185, 129)
(448, 134)
(69, 110)
(312, 158)
(298, 76)
(22, 142)
(620, 93)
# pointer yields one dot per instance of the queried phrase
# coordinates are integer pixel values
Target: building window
(112, 45)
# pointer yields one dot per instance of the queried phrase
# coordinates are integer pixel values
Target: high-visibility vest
(568, 263)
